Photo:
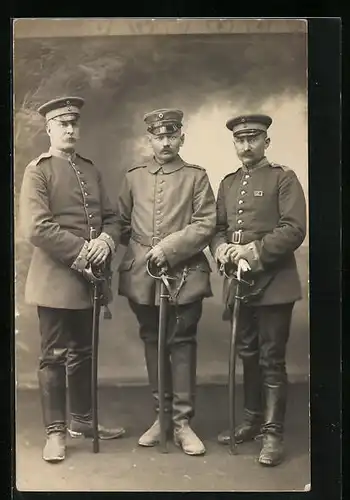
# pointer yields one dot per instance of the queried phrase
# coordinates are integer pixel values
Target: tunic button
(244, 183)
(243, 192)
(240, 202)
(240, 221)
(90, 216)
(85, 193)
(240, 211)
(247, 176)
(78, 171)
(158, 212)
(160, 190)
(73, 165)
(86, 204)
(159, 200)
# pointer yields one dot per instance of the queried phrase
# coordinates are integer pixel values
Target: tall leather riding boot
(272, 451)
(79, 366)
(52, 385)
(184, 365)
(152, 436)
(253, 414)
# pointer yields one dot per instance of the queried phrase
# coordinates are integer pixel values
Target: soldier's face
(63, 133)
(251, 149)
(166, 146)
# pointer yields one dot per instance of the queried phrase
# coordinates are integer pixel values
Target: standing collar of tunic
(62, 154)
(153, 166)
(261, 163)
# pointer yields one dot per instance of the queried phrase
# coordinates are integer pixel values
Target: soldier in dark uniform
(261, 219)
(62, 197)
(167, 214)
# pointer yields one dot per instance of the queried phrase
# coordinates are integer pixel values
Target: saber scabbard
(95, 343)
(161, 362)
(162, 349)
(233, 352)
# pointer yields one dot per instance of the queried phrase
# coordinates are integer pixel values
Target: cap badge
(160, 115)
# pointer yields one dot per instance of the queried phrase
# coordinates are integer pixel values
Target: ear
(149, 138)
(48, 128)
(267, 142)
(182, 140)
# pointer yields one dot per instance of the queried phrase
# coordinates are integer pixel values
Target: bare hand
(156, 256)
(98, 251)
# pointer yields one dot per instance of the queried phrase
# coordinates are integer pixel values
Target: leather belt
(241, 238)
(147, 241)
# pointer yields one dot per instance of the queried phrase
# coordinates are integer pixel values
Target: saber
(96, 281)
(163, 299)
(162, 339)
(233, 355)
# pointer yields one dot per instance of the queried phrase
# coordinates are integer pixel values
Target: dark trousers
(263, 333)
(181, 355)
(66, 352)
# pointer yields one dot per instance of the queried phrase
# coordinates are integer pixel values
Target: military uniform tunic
(266, 205)
(173, 205)
(60, 200)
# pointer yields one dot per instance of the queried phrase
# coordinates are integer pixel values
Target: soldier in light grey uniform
(167, 216)
(62, 198)
(261, 218)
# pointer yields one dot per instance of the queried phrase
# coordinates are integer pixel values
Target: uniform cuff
(107, 239)
(81, 261)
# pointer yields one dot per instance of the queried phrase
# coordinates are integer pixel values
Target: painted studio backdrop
(210, 77)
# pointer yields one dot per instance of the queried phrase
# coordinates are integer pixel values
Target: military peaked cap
(249, 124)
(163, 121)
(62, 107)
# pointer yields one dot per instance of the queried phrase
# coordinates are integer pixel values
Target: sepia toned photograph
(161, 254)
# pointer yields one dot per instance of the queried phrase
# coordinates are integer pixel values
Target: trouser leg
(148, 319)
(52, 367)
(248, 350)
(79, 364)
(274, 329)
(183, 323)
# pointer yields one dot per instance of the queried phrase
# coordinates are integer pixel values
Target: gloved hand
(221, 253)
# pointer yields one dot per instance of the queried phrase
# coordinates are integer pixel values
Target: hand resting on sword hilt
(156, 256)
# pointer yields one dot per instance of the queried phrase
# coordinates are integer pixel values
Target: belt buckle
(157, 239)
(237, 237)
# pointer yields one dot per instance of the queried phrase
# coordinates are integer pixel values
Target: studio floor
(122, 465)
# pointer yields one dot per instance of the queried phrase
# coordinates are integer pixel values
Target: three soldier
(166, 216)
